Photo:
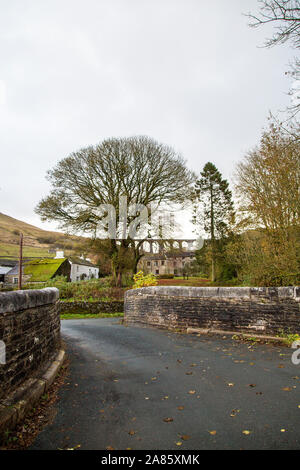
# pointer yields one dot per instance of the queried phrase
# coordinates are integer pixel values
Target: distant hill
(37, 242)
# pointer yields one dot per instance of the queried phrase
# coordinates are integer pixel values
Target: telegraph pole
(20, 261)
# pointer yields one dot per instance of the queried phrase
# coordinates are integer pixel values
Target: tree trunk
(213, 275)
(212, 235)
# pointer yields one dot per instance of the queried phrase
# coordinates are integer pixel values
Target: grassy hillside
(9, 250)
(37, 242)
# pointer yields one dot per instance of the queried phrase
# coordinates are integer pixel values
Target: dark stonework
(30, 329)
(265, 310)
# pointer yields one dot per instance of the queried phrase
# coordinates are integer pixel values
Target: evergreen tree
(213, 208)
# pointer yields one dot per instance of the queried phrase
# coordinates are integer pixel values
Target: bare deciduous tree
(285, 15)
(137, 168)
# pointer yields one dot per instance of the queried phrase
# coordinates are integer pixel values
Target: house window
(157, 271)
(148, 263)
(156, 263)
(162, 263)
(15, 280)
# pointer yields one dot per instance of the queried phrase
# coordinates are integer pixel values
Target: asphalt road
(125, 381)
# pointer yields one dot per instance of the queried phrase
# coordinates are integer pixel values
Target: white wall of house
(77, 270)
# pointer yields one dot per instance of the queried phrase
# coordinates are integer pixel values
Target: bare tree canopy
(137, 169)
(286, 16)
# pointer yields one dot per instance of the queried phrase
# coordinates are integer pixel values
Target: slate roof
(82, 262)
(8, 262)
(15, 270)
(4, 269)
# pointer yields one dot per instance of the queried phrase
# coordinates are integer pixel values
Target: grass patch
(197, 282)
(289, 337)
(78, 316)
(10, 250)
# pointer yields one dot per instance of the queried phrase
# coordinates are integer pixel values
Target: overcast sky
(188, 73)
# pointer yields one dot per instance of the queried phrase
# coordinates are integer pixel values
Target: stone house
(5, 266)
(166, 263)
(39, 270)
(44, 269)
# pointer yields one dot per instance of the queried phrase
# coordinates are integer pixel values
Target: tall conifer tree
(213, 209)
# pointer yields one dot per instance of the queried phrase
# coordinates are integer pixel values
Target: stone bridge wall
(265, 310)
(30, 331)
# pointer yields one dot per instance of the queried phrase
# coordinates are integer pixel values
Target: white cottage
(81, 269)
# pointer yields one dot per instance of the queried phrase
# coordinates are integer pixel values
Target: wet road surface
(140, 388)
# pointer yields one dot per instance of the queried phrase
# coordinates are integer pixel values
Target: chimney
(59, 254)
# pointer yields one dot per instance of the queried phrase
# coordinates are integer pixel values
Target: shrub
(94, 289)
(141, 280)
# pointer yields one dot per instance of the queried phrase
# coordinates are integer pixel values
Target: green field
(8, 250)
(77, 316)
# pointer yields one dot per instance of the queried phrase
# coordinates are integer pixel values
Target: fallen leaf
(189, 373)
(213, 433)
(230, 385)
(282, 430)
(286, 389)
(192, 392)
(131, 433)
(252, 385)
(246, 432)
(110, 448)
(168, 420)
(185, 437)
(180, 408)
(179, 443)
